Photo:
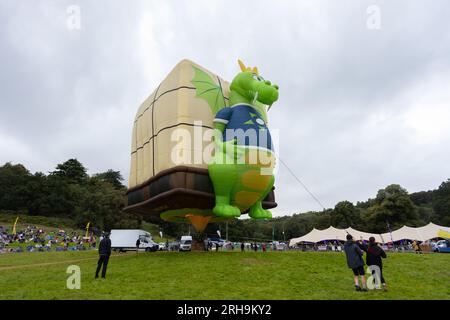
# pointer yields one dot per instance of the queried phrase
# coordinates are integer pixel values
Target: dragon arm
(217, 134)
(228, 147)
(219, 126)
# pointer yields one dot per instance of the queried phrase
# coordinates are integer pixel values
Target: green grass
(221, 275)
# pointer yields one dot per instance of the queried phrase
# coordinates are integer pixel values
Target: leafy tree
(441, 203)
(393, 206)
(72, 170)
(13, 186)
(36, 191)
(99, 204)
(113, 177)
(345, 215)
(422, 198)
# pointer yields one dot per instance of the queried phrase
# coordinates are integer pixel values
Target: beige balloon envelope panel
(171, 107)
(171, 146)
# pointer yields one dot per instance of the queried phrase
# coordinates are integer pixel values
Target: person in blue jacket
(355, 262)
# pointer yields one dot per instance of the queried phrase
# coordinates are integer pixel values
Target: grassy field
(218, 275)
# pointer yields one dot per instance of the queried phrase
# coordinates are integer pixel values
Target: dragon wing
(208, 90)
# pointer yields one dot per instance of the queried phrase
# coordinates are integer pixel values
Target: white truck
(186, 243)
(125, 240)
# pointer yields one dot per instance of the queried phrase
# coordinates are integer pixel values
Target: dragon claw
(226, 211)
(260, 213)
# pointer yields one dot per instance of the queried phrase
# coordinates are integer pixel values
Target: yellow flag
(14, 227)
(87, 229)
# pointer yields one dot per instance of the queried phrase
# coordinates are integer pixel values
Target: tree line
(70, 192)
(67, 192)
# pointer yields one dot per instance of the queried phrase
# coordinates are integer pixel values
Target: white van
(186, 243)
(125, 240)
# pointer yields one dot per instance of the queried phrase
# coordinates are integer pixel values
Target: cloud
(358, 109)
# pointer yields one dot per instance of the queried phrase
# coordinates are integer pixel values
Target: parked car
(174, 246)
(218, 241)
(442, 246)
(186, 243)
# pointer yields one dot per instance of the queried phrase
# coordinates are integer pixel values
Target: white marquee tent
(424, 233)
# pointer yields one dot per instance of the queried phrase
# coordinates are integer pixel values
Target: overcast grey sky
(364, 102)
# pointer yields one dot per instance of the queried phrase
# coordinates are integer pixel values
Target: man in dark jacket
(374, 258)
(355, 262)
(104, 250)
(138, 244)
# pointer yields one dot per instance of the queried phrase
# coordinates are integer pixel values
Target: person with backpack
(374, 256)
(355, 262)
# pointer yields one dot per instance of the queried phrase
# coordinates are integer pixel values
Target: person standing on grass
(374, 258)
(138, 243)
(104, 250)
(355, 262)
(242, 247)
(416, 247)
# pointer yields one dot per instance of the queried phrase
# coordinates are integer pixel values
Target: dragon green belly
(242, 181)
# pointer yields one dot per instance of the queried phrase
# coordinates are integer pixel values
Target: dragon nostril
(268, 82)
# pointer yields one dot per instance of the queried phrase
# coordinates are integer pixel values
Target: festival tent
(424, 233)
(310, 235)
(316, 235)
(358, 235)
(332, 233)
(404, 233)
(444, 234)
(432, 230)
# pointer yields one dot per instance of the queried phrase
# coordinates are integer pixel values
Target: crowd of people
(209, 245)
(32, 238)
(399, 246)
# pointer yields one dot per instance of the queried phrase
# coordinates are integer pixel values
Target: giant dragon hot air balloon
(201, 149)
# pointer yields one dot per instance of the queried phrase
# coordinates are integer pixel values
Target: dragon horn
(242, 65)
(255, 70)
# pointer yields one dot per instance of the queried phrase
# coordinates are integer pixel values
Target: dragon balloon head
(249, 85)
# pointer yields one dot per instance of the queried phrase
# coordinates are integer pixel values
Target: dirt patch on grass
(253, 262)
